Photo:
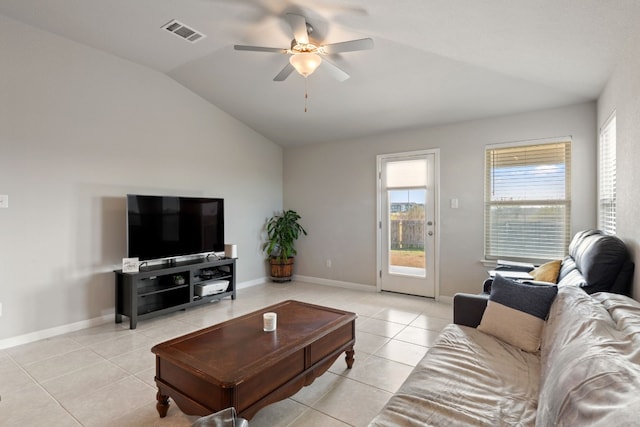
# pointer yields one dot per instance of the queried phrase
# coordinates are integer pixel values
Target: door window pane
(407, 231)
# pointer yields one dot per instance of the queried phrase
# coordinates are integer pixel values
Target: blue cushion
(533, 299)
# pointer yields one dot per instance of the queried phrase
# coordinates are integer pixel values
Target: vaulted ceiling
(434, 61)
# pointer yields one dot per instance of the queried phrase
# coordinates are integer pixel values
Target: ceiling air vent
(182, 31)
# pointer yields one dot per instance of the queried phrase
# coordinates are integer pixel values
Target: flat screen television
(171, 226)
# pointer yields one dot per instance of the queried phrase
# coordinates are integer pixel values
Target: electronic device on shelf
(211, 288)
(171, 226)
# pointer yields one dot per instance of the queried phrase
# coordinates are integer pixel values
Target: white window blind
(607, 177)
(406, 173)
(528, 201)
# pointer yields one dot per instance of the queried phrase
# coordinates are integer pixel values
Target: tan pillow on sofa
(547, 272)
(516, 312)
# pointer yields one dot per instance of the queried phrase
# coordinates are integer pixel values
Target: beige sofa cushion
(467, 378)
(589, 360)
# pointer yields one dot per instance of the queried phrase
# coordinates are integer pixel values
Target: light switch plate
(4, 201)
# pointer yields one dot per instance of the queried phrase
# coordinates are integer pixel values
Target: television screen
(170, 226)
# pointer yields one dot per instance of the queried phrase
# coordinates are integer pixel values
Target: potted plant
(282, 232)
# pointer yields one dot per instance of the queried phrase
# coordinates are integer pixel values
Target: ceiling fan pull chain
(306, 95)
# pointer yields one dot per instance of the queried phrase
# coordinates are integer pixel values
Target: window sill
(489, 262)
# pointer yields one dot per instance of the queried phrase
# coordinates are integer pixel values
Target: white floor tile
(396, 316)
(83, 381)
(353, 403)
(43, 349)
(101, 405)
(280, 414)
(432, 323)
(104, 376)
(380, 327)
(379, 372)
(63, 364)
(313, 418)
(423, 337)
(402, 352)
(369, 343)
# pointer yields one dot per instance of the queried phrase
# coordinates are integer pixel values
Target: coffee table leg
(349, 357)
(163, 404)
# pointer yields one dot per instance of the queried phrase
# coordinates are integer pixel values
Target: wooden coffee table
(237, 364)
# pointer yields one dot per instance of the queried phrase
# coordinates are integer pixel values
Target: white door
(407, 240)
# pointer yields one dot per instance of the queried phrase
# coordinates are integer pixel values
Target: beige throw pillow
(516, 312)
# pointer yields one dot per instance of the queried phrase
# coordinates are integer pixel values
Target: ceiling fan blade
(335, 71)
(298, 25)
(260, 49)
(348, 46)
(282, 75)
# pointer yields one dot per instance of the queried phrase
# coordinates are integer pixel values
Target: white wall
(333, 187)
(79, 129)
(622, 94)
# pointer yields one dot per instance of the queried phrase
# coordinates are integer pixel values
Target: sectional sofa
(586, 370)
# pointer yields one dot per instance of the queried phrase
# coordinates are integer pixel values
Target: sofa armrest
(469, 308)
(486, 286)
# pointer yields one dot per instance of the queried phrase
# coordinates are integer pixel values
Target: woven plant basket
(281, 271)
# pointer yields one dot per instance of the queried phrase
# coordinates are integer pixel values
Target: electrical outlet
(0, 309)
(4, 201)
(328, 263)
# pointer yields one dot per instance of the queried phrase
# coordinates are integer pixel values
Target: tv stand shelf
(164, 288)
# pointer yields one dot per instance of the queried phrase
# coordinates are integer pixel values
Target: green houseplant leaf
(282, 232)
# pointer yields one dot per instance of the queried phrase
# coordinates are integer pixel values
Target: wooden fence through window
(407, 234)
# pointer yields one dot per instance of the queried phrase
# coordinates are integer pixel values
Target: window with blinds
(607, 177)
(528, 201)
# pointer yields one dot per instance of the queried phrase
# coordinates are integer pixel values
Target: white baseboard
(251, 283)
(83, 324)
(52, 332)
(335, 283)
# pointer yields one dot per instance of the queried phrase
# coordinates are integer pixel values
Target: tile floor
(103, 376)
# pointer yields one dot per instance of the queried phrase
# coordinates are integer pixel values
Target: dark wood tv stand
(164, 288)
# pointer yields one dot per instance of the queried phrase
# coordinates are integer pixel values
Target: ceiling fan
(305, 55)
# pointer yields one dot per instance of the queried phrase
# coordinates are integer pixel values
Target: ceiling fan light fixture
(305, 63)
